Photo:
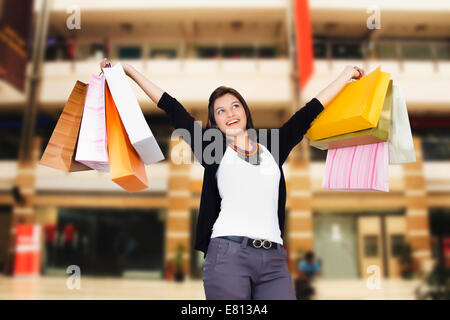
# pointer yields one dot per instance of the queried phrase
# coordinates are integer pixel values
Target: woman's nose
(230, 114)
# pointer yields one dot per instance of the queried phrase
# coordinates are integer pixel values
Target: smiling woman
(222, 102)
(242, 205)
(228, 111)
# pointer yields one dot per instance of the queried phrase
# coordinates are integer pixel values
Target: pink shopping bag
(358, 168)
(92, 148)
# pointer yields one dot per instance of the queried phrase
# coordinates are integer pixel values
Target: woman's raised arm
(293, 130)
(153, 91)
(349, 73)
(175, 111)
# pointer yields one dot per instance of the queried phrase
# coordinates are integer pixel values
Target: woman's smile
(230, 115)
(232, 122)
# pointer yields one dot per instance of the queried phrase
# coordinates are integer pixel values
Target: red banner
(305, 52)
(27, 260)
(15, 22)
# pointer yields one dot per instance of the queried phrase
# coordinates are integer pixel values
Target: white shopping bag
(401, 146)
(139, 133)
(92, 148)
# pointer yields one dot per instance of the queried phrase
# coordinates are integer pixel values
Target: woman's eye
(236, 105)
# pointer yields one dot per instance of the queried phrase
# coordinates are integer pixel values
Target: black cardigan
(289, 135)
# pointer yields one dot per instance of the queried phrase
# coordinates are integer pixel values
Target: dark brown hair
(217, 93)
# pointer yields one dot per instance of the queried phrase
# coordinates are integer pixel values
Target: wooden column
(418, 231)
(178, 211)
(299, 193)
(23, 206)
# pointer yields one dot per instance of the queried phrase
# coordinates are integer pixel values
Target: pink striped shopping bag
(358, 168)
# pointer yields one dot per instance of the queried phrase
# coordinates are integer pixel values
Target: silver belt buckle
(262, 242)
(270, 244)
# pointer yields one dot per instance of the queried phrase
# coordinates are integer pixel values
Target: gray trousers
(235, 271)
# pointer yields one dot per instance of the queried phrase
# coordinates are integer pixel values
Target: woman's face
(230, 115)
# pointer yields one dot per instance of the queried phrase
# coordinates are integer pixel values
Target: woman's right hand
(105, 61)
(103, 64)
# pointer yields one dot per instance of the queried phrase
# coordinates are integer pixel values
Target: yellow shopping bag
(357, 107)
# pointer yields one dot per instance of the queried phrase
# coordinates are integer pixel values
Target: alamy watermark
(374, 20)
(74, 280)
(373, 282)
(208, 145)
(74, 20)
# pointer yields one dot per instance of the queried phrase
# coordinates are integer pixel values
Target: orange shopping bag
(126, 167)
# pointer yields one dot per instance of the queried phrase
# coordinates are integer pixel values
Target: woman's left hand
(349, 73)
(352, 72)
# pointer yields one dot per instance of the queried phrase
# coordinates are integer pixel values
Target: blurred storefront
(104, 241)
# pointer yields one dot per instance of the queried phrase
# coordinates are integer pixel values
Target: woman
(242, 205)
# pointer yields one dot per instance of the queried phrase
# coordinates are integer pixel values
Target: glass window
(83, 50)
(435, 136)
(163, 53)
(385, 50)
(56, 48)
(320, 50)
(96, 51)
(238, 52)
(130, 52)
(45, 124)
(397, 242)
(207, 52)
(10, 131)
(267, 52)
(111, 242)
(416, 51)
(90, 51)
(161, 128)
(436, 149)
(371, 246)
(443, 51)
(346, 50)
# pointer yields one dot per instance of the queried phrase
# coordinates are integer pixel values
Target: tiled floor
(55, 287)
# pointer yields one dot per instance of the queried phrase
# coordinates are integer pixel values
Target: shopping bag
(356, 107)
(92, 148)
(401, 146)
(136, 126)
(358, 168)
(60, 150)
(126, 167)
(367, 136)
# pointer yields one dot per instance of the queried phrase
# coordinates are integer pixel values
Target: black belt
(256, 243)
